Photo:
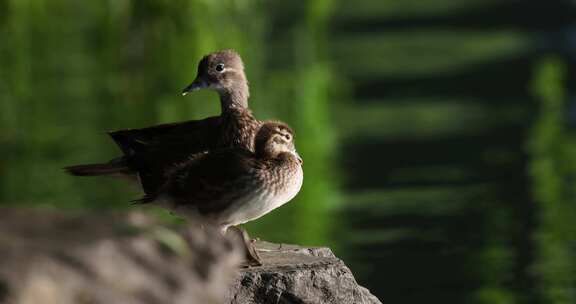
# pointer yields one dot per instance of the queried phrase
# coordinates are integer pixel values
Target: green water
(439, 157)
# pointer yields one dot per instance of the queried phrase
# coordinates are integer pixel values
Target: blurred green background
(438, 135)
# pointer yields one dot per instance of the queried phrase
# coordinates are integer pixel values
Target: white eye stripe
(221, 68)
(230, 70)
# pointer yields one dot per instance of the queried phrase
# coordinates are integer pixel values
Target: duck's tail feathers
(98, 169)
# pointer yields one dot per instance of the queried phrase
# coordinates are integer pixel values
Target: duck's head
(275, 138)
(222, 71)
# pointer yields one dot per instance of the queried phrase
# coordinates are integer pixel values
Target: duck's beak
(197, 84)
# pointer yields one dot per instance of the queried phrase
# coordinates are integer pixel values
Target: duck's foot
(252, 258)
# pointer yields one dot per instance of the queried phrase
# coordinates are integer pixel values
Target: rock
(293, 274)
(48, 257)
(59, 259)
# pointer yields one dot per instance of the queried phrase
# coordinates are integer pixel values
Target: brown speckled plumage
(235, 185)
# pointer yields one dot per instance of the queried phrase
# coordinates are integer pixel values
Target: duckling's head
(275, 138)
(222, 71)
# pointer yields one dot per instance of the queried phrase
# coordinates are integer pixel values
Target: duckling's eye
(220, 67)
(287, 136)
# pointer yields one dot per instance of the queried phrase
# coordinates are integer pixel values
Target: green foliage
(72, 71)
(553, 152)
(305, 85)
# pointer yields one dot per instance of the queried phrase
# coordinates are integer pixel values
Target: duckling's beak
(299, 158)
(197, 84)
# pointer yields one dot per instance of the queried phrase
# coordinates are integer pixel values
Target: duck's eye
(287, 136)
(220, 67)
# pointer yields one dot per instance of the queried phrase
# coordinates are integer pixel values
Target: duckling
(233, 186)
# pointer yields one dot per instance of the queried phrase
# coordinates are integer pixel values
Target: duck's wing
(153, 150)
(196, 134)
(216, 180)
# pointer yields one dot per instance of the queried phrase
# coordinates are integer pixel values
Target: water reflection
(452, 151)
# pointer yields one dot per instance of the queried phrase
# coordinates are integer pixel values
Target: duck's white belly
(263, 201)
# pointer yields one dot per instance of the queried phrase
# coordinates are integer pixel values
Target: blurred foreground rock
(62, 258)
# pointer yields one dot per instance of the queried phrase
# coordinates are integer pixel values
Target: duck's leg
(280, 247)
(252, 257)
